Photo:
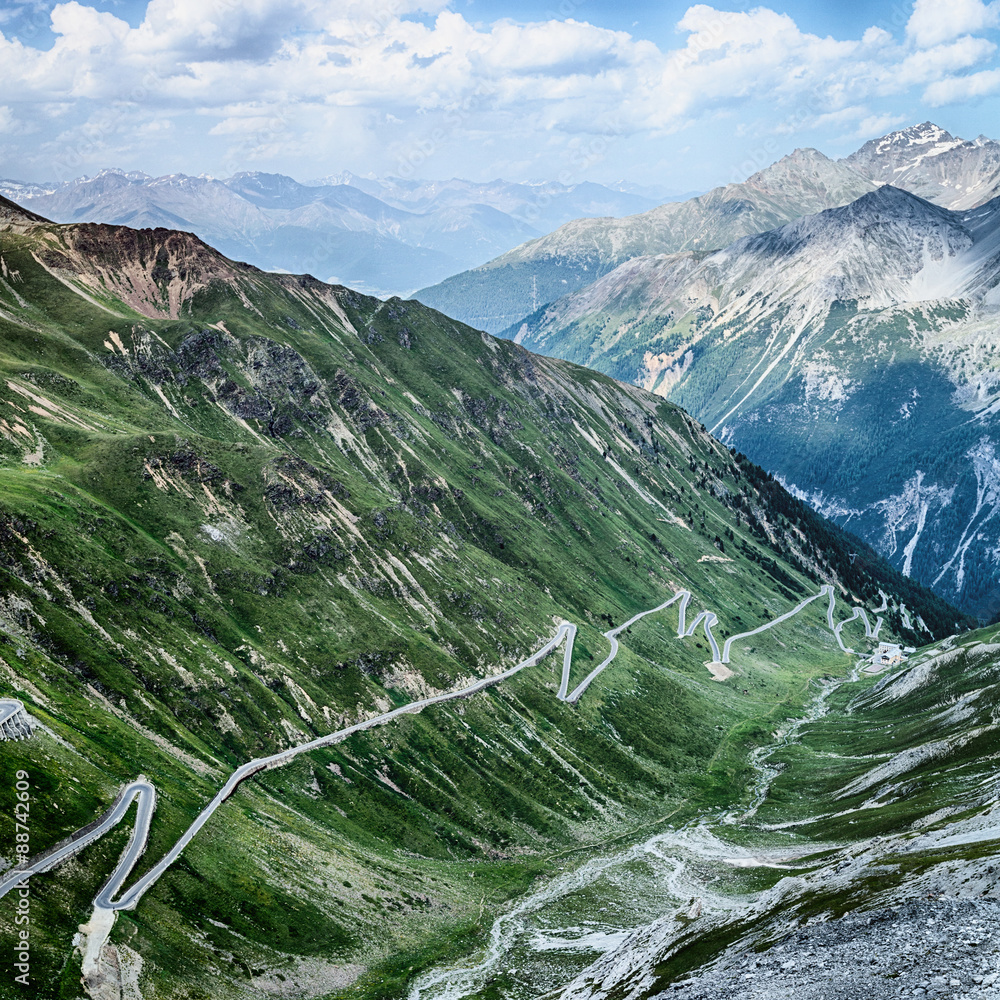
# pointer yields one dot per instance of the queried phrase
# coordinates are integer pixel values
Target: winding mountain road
(144, 793)
(15, 724)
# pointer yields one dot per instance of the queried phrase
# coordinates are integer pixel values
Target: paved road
(869, 632)
(825, 589)
(707, 619)
(612, 636)
(145, 794)
(147, 801)
(15, 723)
(567, 662)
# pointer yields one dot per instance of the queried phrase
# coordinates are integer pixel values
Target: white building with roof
(888, 654)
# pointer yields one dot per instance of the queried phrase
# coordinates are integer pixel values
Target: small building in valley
(889, 654)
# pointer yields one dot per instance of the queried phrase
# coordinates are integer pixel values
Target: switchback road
(144, 793)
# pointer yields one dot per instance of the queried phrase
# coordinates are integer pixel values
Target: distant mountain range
(516, 283)
(852, 352)
(544, 205)
(382, 236)
(924, 159)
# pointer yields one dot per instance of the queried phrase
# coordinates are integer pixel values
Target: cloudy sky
(659, 93)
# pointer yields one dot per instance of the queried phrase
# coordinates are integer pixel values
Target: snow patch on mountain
(933, 164)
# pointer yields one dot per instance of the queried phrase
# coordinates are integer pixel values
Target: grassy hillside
(241, 510)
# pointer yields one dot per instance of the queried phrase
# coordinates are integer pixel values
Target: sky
(674, 96)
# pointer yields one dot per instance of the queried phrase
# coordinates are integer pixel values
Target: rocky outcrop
(929, 948)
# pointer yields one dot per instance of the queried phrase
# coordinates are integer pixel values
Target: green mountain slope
(239, 511)
(501, 292)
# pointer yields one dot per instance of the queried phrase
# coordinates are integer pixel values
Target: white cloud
(876, 125)
(936, 21)
(941, 60)
(760, 55)
(876, 37)
(227, 70)
(955, 89)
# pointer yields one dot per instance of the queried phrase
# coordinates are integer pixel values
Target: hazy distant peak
(129, 175)
(799, 163)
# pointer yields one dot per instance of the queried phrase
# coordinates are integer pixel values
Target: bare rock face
(929, 948)
(154, 271)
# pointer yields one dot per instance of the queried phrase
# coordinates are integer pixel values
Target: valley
(243, 512)
(144, 794)
(780, 891)
(499, 501)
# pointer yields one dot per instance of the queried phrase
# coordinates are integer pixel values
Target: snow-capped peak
(924, 134)
(932, 163)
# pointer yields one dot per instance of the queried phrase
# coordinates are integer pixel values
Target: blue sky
(673, 95)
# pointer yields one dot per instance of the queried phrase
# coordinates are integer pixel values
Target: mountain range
(252, 519)
(851, 352)
(924, 159)
(544, 205)
(387, 237)
(502, 291)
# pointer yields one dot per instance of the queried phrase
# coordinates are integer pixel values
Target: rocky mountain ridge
(924, 160)
(496, 294)
(932, 163)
